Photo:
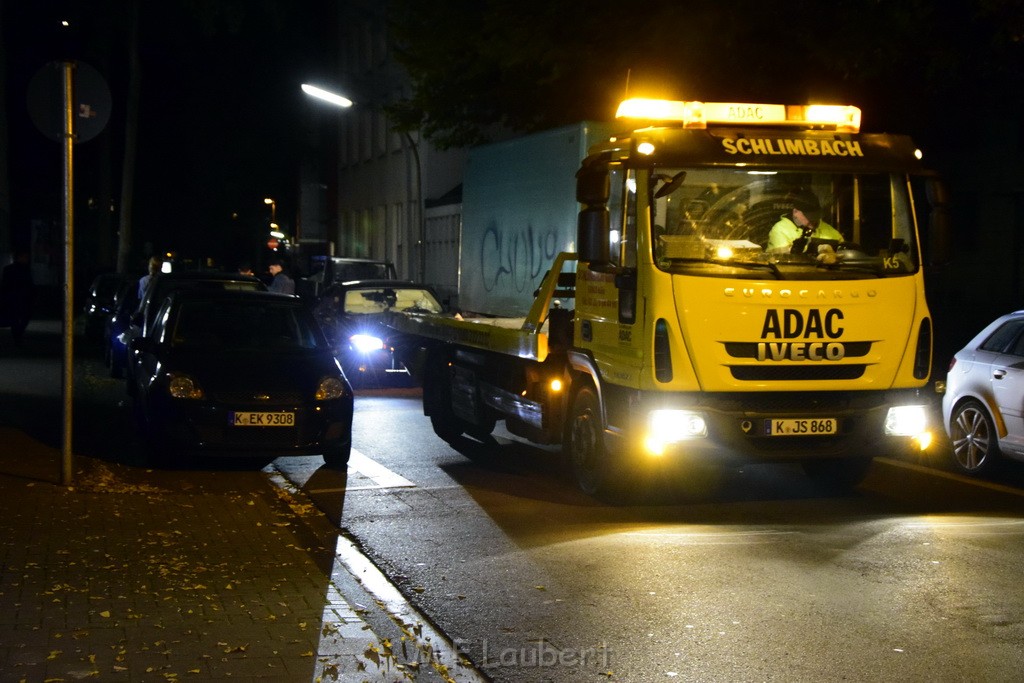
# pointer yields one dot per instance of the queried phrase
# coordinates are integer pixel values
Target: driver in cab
(803, 223)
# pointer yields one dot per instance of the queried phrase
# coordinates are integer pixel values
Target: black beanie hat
(805, 200)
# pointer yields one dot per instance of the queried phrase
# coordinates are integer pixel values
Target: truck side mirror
(592, 244)
(592, 186)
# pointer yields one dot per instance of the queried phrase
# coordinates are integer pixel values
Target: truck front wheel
(590, 461)
(437, 399)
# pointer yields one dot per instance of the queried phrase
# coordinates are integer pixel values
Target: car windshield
(344, 272)
(735, 222)
(164, 286)
(232, 324)
(379, 299)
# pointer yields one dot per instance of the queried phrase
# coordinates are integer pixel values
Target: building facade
(384, 180)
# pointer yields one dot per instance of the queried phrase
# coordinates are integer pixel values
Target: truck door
(607, 291)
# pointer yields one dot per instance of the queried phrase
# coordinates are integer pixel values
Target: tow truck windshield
(729, 222)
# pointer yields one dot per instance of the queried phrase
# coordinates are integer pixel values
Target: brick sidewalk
(123, 580)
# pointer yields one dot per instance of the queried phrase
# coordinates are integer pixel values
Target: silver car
(983, 403)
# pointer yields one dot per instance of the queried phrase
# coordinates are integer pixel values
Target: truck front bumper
(778, 426)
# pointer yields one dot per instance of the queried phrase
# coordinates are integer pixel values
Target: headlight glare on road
(906, 421)
(183, 386)
(365, 343)
(330, 388)
(923, 441)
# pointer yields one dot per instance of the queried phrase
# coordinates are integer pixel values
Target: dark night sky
(223, 123)
(222, 120)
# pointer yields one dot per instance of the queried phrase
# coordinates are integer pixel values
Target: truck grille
(751, 373)
(749, 349)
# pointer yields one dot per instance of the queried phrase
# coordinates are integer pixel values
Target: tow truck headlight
(665, 427)
(906, 421)
(910, 421)
(365, 343)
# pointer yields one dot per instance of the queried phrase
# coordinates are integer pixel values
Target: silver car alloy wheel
(974, 439)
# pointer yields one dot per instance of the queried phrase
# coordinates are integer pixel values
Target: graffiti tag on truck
(514, 260)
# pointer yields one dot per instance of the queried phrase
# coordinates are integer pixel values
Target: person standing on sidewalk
(154, 268)
(17, 292)
(282, 282)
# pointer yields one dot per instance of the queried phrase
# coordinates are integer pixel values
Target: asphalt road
(730, 575)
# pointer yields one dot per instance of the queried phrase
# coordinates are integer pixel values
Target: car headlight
(666, 427)
(330, 388)
(365, 343)
(183, 386)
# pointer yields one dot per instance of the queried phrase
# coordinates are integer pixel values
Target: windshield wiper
(754, 265)
(868, 265)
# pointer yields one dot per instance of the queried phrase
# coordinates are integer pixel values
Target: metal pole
(69, 144)
(421, 226)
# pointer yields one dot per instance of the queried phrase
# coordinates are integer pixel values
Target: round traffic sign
(91, 95)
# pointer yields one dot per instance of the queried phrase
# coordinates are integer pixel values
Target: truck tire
(592, 465)
(840, 475)
(437, 399)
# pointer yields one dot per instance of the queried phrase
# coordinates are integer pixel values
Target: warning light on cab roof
(841, 118)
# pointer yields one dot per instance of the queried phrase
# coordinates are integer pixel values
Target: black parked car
(100, 302)
(244, 373)
(115, 352)
(351, 315)
(163, 284)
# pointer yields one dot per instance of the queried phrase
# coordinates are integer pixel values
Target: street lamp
(327, 96)
(273, 209)
(344, 102)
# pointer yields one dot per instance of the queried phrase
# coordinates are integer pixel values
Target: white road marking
(381, 476)
(433, 649)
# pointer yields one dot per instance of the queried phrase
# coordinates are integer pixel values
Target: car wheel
(974, 438)
(158, 452)
(592, 466)
(840, 475)
(139, 415)
(337, 457)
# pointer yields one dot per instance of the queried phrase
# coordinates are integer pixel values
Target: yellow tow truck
(678, 328)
